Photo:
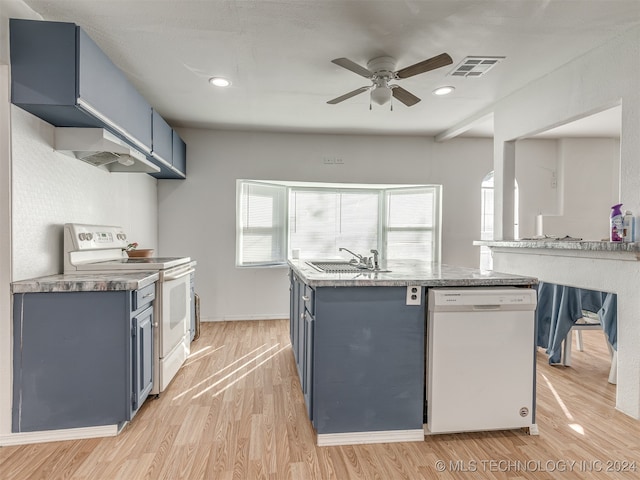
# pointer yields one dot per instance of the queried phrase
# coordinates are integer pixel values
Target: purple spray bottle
(617, 220)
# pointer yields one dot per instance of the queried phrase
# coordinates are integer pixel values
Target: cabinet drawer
(143, 296)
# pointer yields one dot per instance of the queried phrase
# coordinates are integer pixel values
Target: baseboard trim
(24, 438)
(361, 438)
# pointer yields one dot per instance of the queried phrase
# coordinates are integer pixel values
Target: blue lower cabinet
(80, 359)
(142, 357)
(360, 357)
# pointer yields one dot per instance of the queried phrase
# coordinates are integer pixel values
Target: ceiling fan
(381, 71)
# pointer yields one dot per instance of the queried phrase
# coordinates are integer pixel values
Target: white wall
(572, 182)
(51, 189)
(588, 185)
(536, 163)
(197, 216)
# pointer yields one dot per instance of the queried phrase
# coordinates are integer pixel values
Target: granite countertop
(553, 243)
(85, 282)
(410, 272)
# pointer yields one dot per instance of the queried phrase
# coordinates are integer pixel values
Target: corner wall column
(504, 176)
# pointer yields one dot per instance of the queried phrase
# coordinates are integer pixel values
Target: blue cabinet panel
(162, 139)
(368, 360)
(105, 88)
(142, 355)
(177, 168)
(359, 353)
(179, 154)
(73, 354)
(80, 359)
(43, 63)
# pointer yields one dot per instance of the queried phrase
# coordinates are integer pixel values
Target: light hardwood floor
(235, 412)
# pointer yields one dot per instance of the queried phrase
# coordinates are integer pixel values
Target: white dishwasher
(480, 359)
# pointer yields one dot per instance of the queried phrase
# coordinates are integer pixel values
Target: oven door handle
(178, 275)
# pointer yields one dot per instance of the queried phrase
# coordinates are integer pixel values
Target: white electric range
(101, 249)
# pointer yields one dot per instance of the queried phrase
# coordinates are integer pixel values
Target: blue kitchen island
(358, 339)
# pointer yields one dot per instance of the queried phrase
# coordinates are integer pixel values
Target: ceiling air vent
(475, 66)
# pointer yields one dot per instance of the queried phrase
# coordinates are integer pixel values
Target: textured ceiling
(278, 55)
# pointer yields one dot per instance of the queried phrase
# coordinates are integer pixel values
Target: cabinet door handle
(305, 298)
(302, 316)
(148, 295)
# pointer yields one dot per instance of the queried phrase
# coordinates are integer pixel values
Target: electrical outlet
(414, 295)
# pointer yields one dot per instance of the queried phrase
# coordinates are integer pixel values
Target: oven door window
(179, 298)
(175, 312)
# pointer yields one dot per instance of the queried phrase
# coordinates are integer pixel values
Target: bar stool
(589, 321)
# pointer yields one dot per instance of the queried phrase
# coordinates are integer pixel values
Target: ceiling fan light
(440, 91)
(381, 95)
(219, 82)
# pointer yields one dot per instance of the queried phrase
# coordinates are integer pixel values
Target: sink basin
(335, 267)
(340, 267)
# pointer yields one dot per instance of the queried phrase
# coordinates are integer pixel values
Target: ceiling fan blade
(348, 95)
(404, 96)
(353, 66)
(425, 66)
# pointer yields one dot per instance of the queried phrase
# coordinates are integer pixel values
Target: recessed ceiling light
(219, 82)
(443, 90)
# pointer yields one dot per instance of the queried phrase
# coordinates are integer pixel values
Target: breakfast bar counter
(358, 339)
(403, 273)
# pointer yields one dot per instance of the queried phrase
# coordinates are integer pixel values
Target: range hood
(101, 148)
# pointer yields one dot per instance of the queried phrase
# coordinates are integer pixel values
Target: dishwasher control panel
(482, 297)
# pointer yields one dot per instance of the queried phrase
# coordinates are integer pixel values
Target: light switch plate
(414, 295)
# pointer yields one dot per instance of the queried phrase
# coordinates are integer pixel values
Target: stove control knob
(89, 236)
(81, 236)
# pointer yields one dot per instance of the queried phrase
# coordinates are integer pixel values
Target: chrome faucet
(370, 263)
(361, 259)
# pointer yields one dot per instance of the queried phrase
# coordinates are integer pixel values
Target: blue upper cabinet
(172, 161)
(162, 133)
(179, 154)
(59, 74)
(104, 91)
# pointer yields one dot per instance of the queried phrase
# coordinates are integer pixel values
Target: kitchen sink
(340, 267)
(335, 267)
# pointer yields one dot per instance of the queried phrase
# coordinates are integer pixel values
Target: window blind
(261, 225)
(321, 221)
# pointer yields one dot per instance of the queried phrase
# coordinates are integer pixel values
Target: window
(260, 224)
(486, 218)
(411, 224)
(322, 220)
(399, 222)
